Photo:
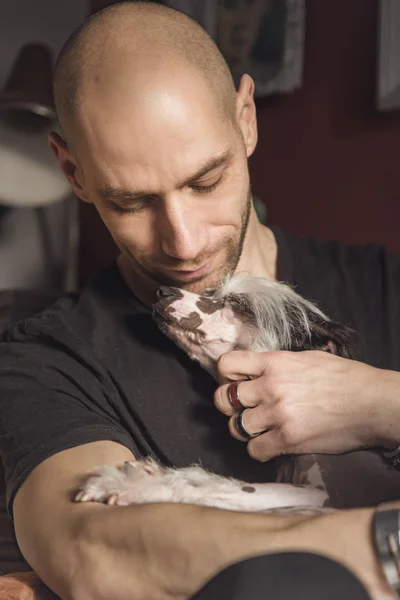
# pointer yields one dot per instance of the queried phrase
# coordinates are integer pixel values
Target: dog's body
(144, 481)
(243, 313)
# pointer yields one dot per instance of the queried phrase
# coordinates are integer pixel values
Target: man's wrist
(385, 412)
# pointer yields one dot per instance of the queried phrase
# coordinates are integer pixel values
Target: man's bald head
(131, 39)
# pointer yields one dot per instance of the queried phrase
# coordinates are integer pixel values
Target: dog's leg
(144, 481)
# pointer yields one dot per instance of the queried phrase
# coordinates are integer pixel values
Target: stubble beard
(233, 251)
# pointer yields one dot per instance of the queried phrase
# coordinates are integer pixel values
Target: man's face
(170, 180)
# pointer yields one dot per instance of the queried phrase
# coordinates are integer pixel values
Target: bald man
(155, 135)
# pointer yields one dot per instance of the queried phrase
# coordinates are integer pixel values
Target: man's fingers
(250, 422)
(243, 397)
(237, 395)
(240, 364)
(267, 446)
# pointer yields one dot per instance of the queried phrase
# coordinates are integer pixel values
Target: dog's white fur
(244, 312)
(144, 481)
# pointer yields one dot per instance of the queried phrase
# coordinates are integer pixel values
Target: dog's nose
(164, 292)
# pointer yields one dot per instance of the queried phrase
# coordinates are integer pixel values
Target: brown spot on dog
(162, 309)
(191, 322)
(249, 489)
(208, 306)
(164, 316)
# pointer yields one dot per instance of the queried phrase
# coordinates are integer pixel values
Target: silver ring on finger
(242, 429)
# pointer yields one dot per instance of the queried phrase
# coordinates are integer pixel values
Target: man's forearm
(169, 551)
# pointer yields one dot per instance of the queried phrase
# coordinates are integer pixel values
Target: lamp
(29, 174)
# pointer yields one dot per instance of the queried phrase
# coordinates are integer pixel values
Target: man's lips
(185, 275)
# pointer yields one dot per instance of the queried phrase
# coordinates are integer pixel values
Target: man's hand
(310, 402)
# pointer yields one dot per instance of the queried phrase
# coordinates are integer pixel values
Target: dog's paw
(118, 485)
(104, 484)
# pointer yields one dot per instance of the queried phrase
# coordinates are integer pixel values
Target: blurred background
(328, 80)
(327, 76)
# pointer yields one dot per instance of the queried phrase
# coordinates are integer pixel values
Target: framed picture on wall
(264, 38)
(388, 85)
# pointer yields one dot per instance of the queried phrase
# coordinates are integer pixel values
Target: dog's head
(246, 313)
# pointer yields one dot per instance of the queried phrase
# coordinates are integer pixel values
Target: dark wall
(327, 160)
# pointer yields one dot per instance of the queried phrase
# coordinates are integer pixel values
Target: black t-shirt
(94, 366)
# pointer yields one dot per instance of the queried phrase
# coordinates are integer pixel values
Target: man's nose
(182, 235)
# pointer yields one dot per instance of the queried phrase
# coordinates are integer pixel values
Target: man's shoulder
(304, 255)
(75, 314)
(358, 285)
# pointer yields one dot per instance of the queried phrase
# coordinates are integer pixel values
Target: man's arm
(169, 551)
(48, 524)
(160, 551)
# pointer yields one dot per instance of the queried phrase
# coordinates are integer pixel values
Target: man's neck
(260, 251)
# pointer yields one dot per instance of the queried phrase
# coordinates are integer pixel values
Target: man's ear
(246, 113)
(68, 165)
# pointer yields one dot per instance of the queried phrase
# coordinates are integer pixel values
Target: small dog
(244, 312)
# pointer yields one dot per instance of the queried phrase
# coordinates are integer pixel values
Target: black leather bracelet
(385, 532)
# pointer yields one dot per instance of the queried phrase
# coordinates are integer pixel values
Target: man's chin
(194, 284)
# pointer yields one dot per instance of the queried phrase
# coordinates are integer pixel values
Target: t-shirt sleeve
(53, 396)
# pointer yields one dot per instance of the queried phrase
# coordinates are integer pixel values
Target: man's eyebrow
(210, 165)
(110, 193)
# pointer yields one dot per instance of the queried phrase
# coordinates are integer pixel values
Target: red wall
(327, 160)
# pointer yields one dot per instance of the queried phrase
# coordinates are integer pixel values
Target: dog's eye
(201, 336)
(239, 301)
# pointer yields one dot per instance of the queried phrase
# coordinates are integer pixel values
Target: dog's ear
(334, 338)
